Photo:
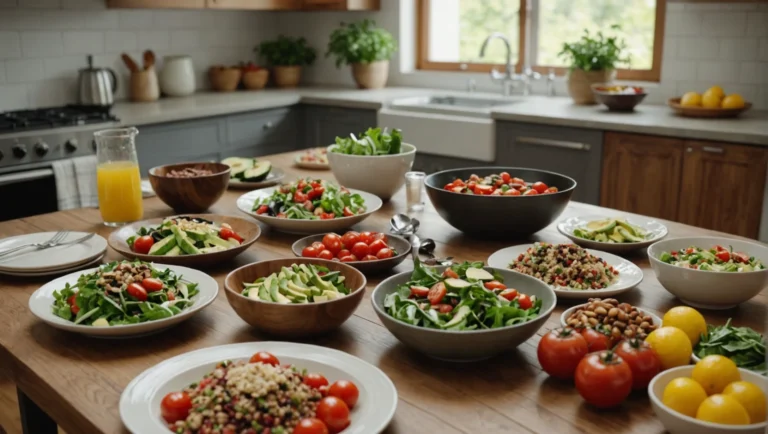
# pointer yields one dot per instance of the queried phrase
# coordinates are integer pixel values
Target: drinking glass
(117, 176)
(414, 185)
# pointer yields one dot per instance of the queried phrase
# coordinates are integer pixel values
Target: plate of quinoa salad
(572, 271)
(258, 387)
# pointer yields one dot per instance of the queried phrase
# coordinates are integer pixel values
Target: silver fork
(60, 235)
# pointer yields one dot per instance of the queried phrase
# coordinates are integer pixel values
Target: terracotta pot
(371, 75)
(287, 76)
(580, 84)
(254, 80)
(224, 79)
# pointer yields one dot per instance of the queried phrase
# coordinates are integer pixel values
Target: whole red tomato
(332, 243)
(642, 360)
(560, 352)
(143, 244)
(349, 239)
(334, 413)
(603, 379)
(175, 406)
(596, 341)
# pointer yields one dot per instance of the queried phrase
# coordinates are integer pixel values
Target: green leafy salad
(310, 199)
(718, 258)
(743, 345)
(124, 292)
(372, 142)
(463, 297)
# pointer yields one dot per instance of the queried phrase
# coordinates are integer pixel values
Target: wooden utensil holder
(144, 86)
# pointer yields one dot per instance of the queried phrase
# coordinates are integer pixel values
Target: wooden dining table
(75, 381)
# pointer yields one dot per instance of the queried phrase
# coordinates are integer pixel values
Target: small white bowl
(655, 229)
(572, 309)
(709, 289)
(382, 175)
(678, 423)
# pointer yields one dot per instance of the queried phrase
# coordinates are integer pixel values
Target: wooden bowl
(250, 231)
(224, 79)
(293, 320)
(254, 80)
(703, 112)
(622, 102)
(187, 195)
(400, 244)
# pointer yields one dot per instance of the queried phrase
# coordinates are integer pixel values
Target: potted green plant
(366, 48)
(592, 59)
(287, 55)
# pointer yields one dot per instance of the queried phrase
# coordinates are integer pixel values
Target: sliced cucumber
(478, 274)
(163, 246)
(175, 251)
(456, 283)
(237, 165)
(259, 172)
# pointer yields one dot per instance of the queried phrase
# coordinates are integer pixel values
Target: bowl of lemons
(713, 103)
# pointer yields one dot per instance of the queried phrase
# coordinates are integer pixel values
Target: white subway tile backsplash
(41, 44)
(64, 67)
(117, 42)
(2, 75)
(683, 23)
(136, 19)
(725, 23)
(83, 4)
(763, 51)
(13, 96)
(757, 24)
(50, 4)
(154, 40)
(23, 70)
(673, 69)
(100, 19)
(83, 42)
(176, 19)
(20, 19)
(738, 48)
(754, 72)
(10, 45)
(49, 93)
(698, 48)
(61, 20)
(185, 39)
(720, 72)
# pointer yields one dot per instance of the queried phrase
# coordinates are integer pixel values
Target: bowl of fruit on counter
(618, 97)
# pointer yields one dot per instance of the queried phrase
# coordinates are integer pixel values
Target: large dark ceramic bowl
(499, 216)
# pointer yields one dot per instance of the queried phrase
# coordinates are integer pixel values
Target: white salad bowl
(656, 232)
(41, 303)
(140, 401)
(709, 289)
(678, 423)
(382, 175)
(306, 227)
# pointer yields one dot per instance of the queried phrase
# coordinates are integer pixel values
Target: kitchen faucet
(507, 78)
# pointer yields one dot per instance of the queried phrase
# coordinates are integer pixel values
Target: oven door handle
(31, 175)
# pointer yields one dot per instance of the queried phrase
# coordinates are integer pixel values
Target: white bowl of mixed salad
(710, 272)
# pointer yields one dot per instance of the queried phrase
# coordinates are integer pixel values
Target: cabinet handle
(577, 146)
(268, 125)
(713, 149)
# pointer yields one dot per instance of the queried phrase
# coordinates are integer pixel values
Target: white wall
(44, 42)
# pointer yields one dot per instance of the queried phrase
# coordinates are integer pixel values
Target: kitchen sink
(452, 104)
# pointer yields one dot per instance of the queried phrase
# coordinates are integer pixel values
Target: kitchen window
(452, 31)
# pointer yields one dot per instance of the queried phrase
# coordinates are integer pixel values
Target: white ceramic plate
(54, 258)
(275, 176)
(656, 231)
(630, 275)
(306, 227)
(140, 401)
(570, 310)
(307, 165)
(88, 264)
(41, 301)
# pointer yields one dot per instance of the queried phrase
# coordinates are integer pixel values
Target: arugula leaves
(372, 142)
(743, 345)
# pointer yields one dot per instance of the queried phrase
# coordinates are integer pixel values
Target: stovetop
(53, 117)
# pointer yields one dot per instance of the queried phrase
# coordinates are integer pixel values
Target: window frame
(423, 62)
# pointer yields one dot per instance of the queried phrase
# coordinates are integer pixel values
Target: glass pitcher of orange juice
(118, 177)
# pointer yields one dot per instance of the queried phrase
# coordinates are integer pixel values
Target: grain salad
(565, 265)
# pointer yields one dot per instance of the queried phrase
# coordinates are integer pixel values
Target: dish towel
(76, 182)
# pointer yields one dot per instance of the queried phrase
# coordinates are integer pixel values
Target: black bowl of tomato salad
(499, 202)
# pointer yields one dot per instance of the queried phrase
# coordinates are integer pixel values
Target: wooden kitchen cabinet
(267, 5)
(264, 5)
(641, 174)
(722, 187)
(341, 5)
(157, 4)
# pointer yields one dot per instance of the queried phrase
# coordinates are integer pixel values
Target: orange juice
(119, 185)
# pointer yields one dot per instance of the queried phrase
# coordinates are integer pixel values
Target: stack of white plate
(31, 262)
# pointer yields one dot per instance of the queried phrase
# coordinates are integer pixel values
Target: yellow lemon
(711, 100)
(690, 99)
(684, 395)
(672, 345)
(722, 409)
(687, 319)
(750, 397)
(715, 372)
(717, 90)
(733, 101)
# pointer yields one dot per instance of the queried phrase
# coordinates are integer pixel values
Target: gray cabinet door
(572, 152)
(429, 163)
(276, 129)
(322, 124)
(178, 142)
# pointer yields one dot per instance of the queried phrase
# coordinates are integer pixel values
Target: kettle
(97, 86)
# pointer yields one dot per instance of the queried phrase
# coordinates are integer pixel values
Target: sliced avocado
(304, 269)
(175, 251)
(186, 244)
(259, 172)
(295, 296)
(163, 246)
(458, 317)
(216, 241)
(292, 286)
(319, 298)
(616, 236)
(602, 237)
(261, 294)
(197, 234)
(296, 280)
(332, 295)
(212, 249)
(274, 292)
(456, 283)
(318, 281)
(581, 233)
(478, 274)
(630, 236)
(604, 226)
(238, 166)
(631, 229)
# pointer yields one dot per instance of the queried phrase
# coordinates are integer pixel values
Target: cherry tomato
(262, 209)
(385, 253)
(310, 426)
(151, 284)
(377, 245)
(264, 357)
(512, 192)
(227, 233)
(474, 177)
(325, 254)
(723, 255)
(342, 253)
(443, 308)
(483, 189)
(494, 284)
(137, 291)
(458, 182)
(347, 212)
(524, 301)
(505, 177)
(315, 381)
(509, 294)
(366, 237)
(315, 192)
(349, 258)
(719, 248)
(334, 413)
(332, 242)
(450, 273)
(350, 238)
(380, 236)
(552, 190)
(360, 249)
(436, 293)
(300, 197)
(143, 244)
(642, 360)
(596, 341)
(175, 406)
(318, 246)
(530, 192)
(170, 295)
(370, 258)
(310, 252)
(327, 216)
(345, 391)
(560, 351)
(419, 291)
(72, 304)
(540, 187)
(603, 379)
(516, 180)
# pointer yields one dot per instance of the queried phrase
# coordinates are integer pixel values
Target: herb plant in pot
(593, 59)
(366, 48)
(287, 55)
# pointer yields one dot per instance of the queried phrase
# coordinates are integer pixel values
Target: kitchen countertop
(750, 128)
